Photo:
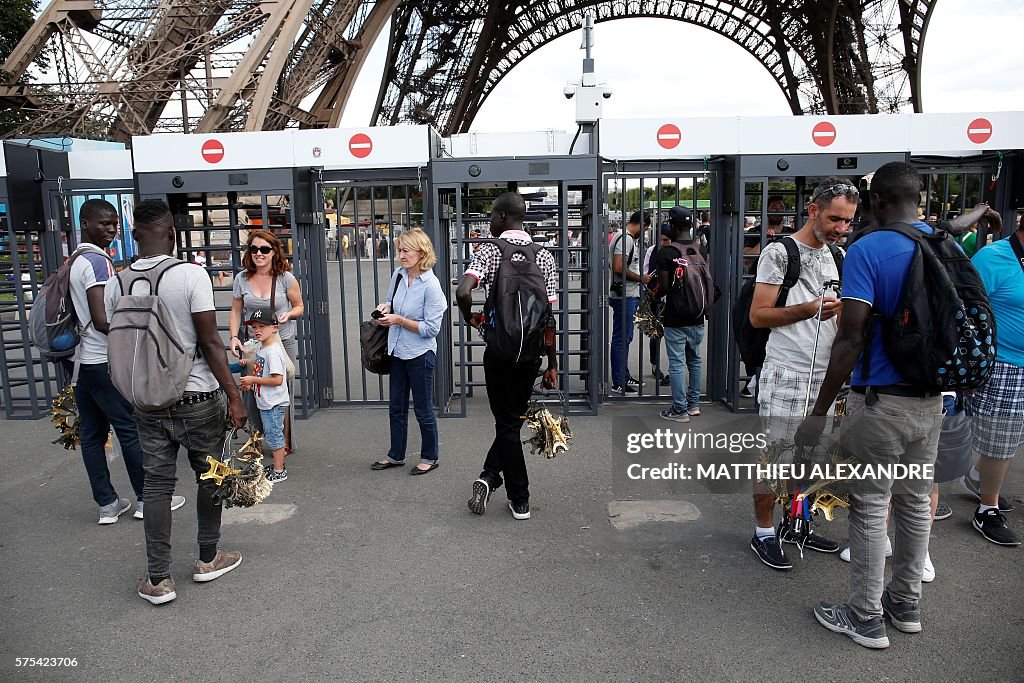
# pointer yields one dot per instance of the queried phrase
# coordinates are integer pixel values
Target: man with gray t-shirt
(197, 421)
(624, 298)
(793, 319)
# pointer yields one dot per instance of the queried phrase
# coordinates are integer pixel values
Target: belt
(193, 397)
(897, 390)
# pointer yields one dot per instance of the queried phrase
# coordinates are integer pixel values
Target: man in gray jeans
(197, 422)
(888, 421)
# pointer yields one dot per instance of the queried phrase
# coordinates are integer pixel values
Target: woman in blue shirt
(414, 314)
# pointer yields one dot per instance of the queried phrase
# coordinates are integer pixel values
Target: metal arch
(828, 56)
(121, 65)
(748, 31)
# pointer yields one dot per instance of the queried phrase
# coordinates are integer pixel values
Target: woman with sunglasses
(267, 279)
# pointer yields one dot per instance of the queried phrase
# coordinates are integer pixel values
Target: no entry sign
(823, 134)
(669, 136)
(360, 145)
(212, 151)
(979, 131)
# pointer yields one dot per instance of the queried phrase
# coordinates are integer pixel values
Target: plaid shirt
(487, 258)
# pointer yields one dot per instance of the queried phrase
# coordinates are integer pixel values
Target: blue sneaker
(676, 414)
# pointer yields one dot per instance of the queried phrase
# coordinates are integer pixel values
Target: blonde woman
(267, 282)
(413, 312)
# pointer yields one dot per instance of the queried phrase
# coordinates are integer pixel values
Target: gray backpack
(148, 363)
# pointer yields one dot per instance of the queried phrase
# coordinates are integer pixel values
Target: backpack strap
(838, 257)
(1018, 250)
(129, 276)
(792, 275)
(629, 259)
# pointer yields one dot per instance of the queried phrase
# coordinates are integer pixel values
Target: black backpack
(941, 337)
(517, 303)
(753, 341)
(692, 291)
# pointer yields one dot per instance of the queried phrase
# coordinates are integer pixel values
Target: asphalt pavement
(354, 575)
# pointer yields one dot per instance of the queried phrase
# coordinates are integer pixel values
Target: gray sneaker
(158, 594)
(110, 513)
(905, 616)
(223, 562)
(841, 619)
(176, 503)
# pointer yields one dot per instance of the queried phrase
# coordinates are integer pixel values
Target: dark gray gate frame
(305, 188)
(713, 168)
(452, 175)
(408, 176)
(42, 378)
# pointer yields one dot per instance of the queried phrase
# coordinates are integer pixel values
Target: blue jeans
(415, 375)
(101, 407)
(683, 347)
(273, 425)
(623, 311)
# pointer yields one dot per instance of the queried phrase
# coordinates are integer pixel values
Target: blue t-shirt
(1004, 282)
(874, 271)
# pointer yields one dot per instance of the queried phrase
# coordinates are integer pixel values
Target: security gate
(654, 188)
(562, 206)
(26, 258)
(212, 224)
(366, 211)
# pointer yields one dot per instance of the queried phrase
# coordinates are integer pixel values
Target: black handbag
(373, 341)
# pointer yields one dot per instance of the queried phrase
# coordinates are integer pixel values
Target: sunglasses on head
(840, 190)
(253, 249)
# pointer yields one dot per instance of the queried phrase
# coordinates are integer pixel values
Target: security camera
(569, 91)
(607, 94)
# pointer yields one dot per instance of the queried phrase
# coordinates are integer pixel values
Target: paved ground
(356, 575)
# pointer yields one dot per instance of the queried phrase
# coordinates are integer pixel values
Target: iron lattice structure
(125, 67)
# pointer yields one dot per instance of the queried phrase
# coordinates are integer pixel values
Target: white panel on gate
(668, 138)
(383, 147)
(518, 144)
(824, 134)
(212, 152)
(969, 132)
(108, 164)
(3, 163)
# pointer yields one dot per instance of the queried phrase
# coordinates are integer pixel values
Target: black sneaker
(633, 382)
(814, 542)
(905, 616)
(745, 392)
(770, 552)
(520, 509)
(943, 511)
(481, 494)
(973, 487)
(658, 375)
(841, 619)
(992, 525)
(619, 389)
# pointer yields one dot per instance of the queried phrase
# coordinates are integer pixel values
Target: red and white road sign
(979, 131)
(669, 136)
(823, 134)
(212, 151)
(360, 145)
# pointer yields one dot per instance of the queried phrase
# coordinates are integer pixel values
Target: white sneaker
(928, 575)
(845, 555)
(176, 503)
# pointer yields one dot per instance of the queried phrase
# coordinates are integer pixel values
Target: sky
(659, 67)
